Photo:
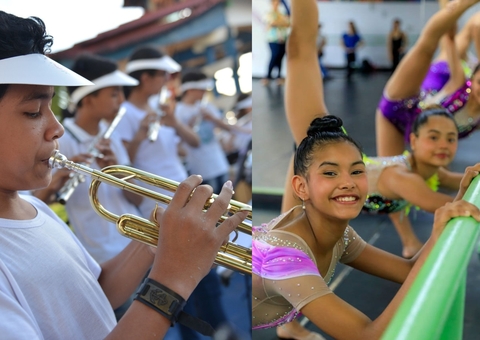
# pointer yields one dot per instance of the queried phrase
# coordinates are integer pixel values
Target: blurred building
(213, 35)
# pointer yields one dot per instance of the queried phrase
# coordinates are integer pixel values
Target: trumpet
(154, 127)
(75, 179)
(230, 255)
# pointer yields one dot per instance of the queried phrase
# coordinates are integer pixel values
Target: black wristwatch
(168, 303)
(163, 300)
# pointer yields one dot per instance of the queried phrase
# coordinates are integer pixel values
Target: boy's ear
(86, 101)
(299, 185)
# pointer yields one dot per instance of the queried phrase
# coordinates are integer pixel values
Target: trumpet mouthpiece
(57, 160)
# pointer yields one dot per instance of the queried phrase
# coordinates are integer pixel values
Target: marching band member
(151, 68)
(50, 286)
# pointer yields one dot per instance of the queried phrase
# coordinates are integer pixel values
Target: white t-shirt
(242, 139)
(207, 160)
(159, 158)
(99, 236)
(48, 282)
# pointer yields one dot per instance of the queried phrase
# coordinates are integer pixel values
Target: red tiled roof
(137, 30)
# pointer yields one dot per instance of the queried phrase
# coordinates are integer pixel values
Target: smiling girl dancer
(313, 233)
(295, 255)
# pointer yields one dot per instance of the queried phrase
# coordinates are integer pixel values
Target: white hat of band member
(204, 84)
(38, 69)
(164, 63)
(115, 78)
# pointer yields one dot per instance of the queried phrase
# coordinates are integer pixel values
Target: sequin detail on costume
(274, 258)
(375, 202)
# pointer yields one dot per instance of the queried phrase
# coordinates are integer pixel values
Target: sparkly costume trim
(287, 262)
(402, 113)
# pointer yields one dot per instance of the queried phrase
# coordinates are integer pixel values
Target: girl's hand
(470, 173)
(452, 210)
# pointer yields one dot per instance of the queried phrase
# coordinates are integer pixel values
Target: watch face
(158, 297)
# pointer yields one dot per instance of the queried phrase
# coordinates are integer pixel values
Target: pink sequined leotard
(285, 274)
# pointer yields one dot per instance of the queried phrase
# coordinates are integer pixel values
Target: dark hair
(91, 66)
(144, 52)
(353, 26)
(434, 110)
(194, 75)
(20, 36)
(322, 131)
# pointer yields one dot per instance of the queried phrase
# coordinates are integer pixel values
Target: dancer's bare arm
(343, 321)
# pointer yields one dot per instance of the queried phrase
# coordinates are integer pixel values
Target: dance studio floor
(354, 101)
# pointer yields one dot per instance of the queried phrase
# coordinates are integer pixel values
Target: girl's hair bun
(325, 124)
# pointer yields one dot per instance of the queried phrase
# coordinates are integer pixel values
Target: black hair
(91, 66)
(144, 52)
(434, 110)
(353, 26)
(20, 36)
(194, 75)
(322, 131)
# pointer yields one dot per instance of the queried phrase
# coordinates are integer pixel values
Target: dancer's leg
(390, 141)
(407, 78)
(410, 242)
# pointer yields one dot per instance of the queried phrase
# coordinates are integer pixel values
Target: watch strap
(168, 303)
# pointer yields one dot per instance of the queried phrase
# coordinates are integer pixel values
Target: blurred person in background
(208, 160)
(351, 41)
(160, 156)
(396, 43)
(277, 32)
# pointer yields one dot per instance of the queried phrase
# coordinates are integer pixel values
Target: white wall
(239, 13)
(373, 21)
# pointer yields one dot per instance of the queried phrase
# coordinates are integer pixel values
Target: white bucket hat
(38, 69)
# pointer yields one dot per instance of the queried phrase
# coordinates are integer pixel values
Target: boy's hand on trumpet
(189, 239)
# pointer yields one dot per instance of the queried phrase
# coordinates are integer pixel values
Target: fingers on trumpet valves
(201, 196)
(221, 204)
(184, 191)
(156, 214)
